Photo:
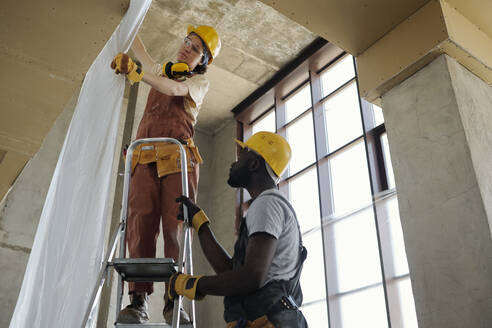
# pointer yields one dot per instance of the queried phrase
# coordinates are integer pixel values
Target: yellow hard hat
(210, 37)
(274, 149)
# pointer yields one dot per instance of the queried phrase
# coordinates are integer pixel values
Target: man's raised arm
(216, 255)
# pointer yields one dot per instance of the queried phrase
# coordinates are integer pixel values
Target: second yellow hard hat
(274, 149)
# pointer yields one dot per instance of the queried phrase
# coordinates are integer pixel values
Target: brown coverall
(152, 197)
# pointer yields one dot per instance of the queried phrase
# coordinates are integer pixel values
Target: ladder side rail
(189, 269)
(183, 249)
(124, 212)
(102, 275)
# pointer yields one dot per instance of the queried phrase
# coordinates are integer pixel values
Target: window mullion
(375, 152)
(280, 121)
(367, 115)
(324, 193)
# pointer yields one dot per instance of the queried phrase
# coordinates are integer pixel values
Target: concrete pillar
(474, 99)
(20, 210)
(439, 127)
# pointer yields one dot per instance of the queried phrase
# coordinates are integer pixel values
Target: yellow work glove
(197, 215)
(176, 70)
(185, 285)
(123, 64)
(199, 219)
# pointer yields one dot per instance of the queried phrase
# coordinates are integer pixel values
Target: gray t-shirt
(268, 213)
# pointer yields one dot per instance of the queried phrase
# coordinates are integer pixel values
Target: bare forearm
(229, 283)
(161, 84)
(216, 255)
(165, 85)
(248, 278)
(142, 55)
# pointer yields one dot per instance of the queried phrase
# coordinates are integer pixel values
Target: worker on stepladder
(172, 107)
(261, 281)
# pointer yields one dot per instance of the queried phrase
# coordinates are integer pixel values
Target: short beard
(238, 181)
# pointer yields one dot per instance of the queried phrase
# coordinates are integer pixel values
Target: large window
(340, 182)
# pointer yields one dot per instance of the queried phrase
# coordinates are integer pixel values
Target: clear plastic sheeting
(68, 248)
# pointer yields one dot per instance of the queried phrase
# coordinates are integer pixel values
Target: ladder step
(150, 325)
(145, 269)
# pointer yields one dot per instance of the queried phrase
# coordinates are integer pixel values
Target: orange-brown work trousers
(152, 198)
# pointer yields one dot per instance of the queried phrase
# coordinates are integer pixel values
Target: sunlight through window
(301, 139)
(298, 103)
(338, 74)
(343, 121)
(266, 123)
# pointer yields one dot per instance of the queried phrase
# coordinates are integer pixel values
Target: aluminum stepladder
(139, 270)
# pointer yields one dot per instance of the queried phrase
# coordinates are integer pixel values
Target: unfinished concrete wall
(442, 210)
(20, 210)
(217, 199)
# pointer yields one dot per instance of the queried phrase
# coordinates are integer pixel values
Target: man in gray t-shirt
(270, 213)
(261, 281)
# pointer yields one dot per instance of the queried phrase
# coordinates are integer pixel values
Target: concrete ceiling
(256, 42)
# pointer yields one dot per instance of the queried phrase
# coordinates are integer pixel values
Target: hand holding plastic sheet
(68, 248)
(123, 64)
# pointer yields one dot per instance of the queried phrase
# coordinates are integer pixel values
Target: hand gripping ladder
(141, 269)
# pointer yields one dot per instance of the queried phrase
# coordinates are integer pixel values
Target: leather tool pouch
(143, 154)
(167, 157)
(261, 322)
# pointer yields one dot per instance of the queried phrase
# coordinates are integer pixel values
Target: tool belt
(261, 322)
(167, 156)
(285, 303)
